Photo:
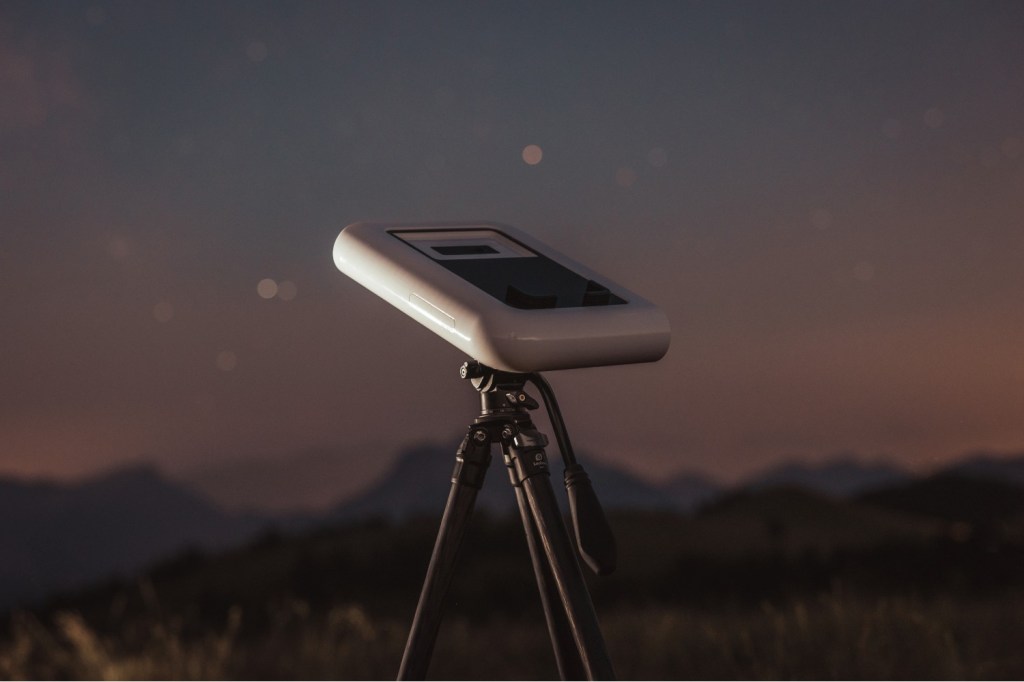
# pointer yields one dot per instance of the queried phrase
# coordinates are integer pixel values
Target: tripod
(504, 418)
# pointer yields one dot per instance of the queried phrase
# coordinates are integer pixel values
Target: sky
(827, 199)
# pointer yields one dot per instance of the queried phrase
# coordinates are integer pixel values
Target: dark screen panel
(532, 282)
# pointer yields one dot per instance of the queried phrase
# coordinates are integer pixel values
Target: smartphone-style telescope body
(502, 297)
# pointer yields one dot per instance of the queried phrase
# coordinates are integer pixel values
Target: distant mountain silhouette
(618, 489)
(59, 535)
(954, 497)
(1005, 468)
(419, 482)
(843, 476)
(307, 485)
(691, 491)
(55, 536)
(306, 482)
(797, 519)
(748, 543)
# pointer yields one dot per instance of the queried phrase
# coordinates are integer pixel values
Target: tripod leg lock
(530, 438)
(526, 456)
(472, 459)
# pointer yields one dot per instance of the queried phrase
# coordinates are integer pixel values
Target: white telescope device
(502, 297)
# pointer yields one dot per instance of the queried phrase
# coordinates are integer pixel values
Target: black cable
(555, 416)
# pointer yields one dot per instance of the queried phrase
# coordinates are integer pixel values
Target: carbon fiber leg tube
(570, 667)
(525, 454)
(470, 467)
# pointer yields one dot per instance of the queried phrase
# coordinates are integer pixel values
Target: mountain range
(420, 479)
(58, 536)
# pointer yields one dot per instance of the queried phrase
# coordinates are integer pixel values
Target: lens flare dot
(532, 154)
(267, 288)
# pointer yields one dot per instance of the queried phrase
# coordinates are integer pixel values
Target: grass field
(773, 586)
(829, 637)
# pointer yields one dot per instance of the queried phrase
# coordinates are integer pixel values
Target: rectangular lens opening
(464, 250)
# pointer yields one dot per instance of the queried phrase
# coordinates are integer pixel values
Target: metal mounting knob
(471, 370)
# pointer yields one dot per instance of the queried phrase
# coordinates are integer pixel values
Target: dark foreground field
(779, 584)
(829, 637)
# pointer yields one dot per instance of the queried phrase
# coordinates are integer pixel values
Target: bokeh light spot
(267, 288)
(287, 290)
(226, 361)
(532, 154)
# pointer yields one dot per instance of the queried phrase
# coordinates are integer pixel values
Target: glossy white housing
(488, 330)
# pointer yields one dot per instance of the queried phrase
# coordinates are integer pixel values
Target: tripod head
(503, 393)
(488, 380)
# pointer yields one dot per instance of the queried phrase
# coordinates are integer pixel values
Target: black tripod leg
(571, 587)
(470, 467)
(531, 467)
(567, 657)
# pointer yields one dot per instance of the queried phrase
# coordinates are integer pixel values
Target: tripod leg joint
(525, 457)
(472, 459)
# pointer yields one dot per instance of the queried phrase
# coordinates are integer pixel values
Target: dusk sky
(827, 199)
